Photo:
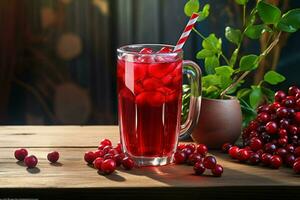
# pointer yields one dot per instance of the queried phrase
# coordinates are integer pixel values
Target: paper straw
(184, 36)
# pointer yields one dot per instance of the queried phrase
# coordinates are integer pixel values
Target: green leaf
(241, 2)
(212, 43)
(210, 80)
(210, 63)
(273, 77)
(191, 6)
(269, 94)
(233, 58)
(255, 31)
(290, 21)
(249, 62)
(243, 93)
(233, 35)
(255, 96)
(212, 92)
(204, 53)
(204, 13)
(224, 71)
(268, 13)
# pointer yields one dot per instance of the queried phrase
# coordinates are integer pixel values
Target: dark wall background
(57, 57)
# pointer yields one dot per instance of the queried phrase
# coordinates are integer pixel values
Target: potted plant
(223, 99)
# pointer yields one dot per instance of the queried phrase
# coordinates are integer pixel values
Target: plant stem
(200, 34)
(263, 54)
(244, 15)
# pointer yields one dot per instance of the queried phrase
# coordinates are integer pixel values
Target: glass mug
(150, 100)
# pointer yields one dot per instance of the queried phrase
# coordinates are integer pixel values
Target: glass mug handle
(194, 74)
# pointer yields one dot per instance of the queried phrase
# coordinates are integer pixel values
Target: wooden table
(72, 177)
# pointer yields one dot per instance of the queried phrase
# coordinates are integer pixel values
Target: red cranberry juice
(149, 95)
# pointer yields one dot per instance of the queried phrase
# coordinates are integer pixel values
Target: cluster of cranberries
(31, 161)
(197, 157)
(107, 158)
(273, 138)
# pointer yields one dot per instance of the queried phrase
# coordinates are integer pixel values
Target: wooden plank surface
(73, 175)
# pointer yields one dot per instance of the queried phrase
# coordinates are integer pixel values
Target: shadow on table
(34, 170)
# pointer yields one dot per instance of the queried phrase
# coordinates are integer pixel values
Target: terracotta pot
(220, 121)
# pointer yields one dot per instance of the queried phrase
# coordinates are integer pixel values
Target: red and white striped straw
(184, 36)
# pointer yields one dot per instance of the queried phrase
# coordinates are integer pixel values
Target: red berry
(279, 96)
(282, 132)
(31, 161)
(128, 163)
(106, 149)
(233, 152)
(271, 127)
(293, 129)
(180, 147)
(266, 158)
(118, 158)
(113, 151)
(263, 108)
(282, 152)
(226, 147)
(263, 117)
(101, 147)
(297, 152)
(106, 142)
(274, 106)
(179, 157)
(293, 90)
(243, 155)
(289, 160)
(284, 123)
(98, 162)
(53, 156)
(202, 149)
(146, 51)
(89, 157)
(217, 170)
(191, 146)
(255, 144)
(20, 154)
(254, 158)
(108, 156)
(108, 166)
(199, 168)
(282, 141)
(209, 162)
(282, 112)
(288, 102)
(99, 153)
(275, 161)
(296, 167)
(193, 158)
(118, 148)
(187, 152)
(270, 148)
(253, 125)
(290, 148)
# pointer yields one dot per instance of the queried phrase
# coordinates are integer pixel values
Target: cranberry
(106, 142)
(282, 141)
(293, 90)
(180, 147)
(282, 132)
(263, 108)
(282, 152)
(243, 155)
(253, 134)
(53, 156)
(274, 106)
(118, 158)
(279, 96)
(297, 117)
(202, 149)
(282, 112)
(297, 152)
(108, 166)
(298, 103)
(30, 161)
(193, 158)
(98, 162)
(261, 129)
(265, 137)
(253, 125)
(99, 153)
(187, 151)
(260, 152)
(20, 154)
(255, 144)
(101, 147)
(209, 162)
(291, 112)
(199, 168)
(89, 157)
(118, 148)
(263, 117)
(146, 51)
(226, 147)
(289, 160)
(271, 127)
(191, 146)
(179, 157)
(217, 170)
(289, 101)
(106, 149)
(293, 129)
(233, 152)
(113, 151)
(266, 158)
(108, 156)
(296, 167)
(128, 163)
(270, 148)
(254, 158)
(290, 148)
(275, 161)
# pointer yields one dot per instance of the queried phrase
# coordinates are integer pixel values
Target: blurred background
(58, 57)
